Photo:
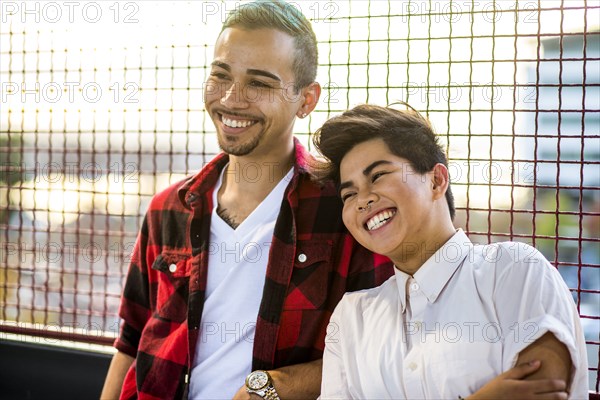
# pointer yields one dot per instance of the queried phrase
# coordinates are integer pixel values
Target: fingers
(549, 386)
(522, 370)
(542, 389)
(512, 385)
(552, 396)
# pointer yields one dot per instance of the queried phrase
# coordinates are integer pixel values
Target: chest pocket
(310, 279)
(172, 288)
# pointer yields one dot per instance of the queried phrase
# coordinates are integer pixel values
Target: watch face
(257, 380)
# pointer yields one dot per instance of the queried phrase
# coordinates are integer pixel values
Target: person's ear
(310, 95)
(440, 179)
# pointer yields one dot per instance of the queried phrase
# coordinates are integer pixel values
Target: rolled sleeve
(535, 300)
(527, 332)
(128, 341)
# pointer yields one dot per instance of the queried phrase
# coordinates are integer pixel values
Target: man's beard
(243, 149)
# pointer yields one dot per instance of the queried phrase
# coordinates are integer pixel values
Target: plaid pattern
(163, 297)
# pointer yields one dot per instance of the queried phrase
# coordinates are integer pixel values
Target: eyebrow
(261, 72)
(366, 172)
(221, 64)
(258, 72)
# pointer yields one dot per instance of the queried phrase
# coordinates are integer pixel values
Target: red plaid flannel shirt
(164, 292)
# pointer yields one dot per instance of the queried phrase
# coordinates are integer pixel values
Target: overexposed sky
(106, 69)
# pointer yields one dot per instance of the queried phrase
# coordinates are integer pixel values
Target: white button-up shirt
(460, 321)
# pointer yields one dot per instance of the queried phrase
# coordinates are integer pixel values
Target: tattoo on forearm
(229, 220)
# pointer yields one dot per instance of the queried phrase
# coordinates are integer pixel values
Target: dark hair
(405, 132)
(277, 14)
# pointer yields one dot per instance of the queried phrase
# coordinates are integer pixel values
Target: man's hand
(511, 385)
(300, 381)
(242, 394)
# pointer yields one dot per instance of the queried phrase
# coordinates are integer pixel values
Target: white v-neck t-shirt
(237, 266)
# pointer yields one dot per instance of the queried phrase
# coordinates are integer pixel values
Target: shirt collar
(433, 276)
(401, 280)
(204, 181)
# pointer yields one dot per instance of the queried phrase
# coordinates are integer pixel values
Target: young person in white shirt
(457, 320)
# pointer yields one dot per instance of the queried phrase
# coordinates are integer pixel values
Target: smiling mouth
(237, 122)
(379, 220)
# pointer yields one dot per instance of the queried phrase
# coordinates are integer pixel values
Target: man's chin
(237, 149)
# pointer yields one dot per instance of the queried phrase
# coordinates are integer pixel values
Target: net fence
(102, 107)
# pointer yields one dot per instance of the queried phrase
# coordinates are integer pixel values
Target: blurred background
(101, 107)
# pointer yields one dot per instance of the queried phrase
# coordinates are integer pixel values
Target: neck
(257, 175)
(412, 256)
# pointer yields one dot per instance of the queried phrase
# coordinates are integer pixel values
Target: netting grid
(101, 107)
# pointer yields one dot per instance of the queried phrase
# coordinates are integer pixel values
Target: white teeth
(235, 123)
(380, 219)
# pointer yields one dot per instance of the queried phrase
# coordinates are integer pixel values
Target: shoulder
(173, 196)
(508, 266)
(317, 207)
(168, 197)
(308, 186)
(368, 300)
(508, 255)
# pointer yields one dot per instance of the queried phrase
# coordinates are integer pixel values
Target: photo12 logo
(316, 11)
(67, 252)
(69, 11)
(69, 92)
(485, 11)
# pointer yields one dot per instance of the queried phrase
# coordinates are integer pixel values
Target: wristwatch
(260, 383)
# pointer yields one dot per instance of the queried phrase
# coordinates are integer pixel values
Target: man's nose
(234, 97)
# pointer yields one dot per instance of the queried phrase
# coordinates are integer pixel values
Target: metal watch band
(271, 393)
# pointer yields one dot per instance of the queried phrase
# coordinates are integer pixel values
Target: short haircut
(405, 132)
(277, 14)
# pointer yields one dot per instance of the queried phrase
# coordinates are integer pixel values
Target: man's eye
(259, 84)
(218, 75)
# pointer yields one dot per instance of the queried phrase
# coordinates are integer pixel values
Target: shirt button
(301, 257)
(172, 267)
(414, 287)
(412, 366)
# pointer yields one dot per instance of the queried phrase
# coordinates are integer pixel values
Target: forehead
(366, 152)
(265, 49)
(369, 155)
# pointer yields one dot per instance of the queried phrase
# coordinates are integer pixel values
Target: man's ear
(440, 180)
(310, 94)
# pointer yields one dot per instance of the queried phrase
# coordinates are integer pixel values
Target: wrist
(261, 383)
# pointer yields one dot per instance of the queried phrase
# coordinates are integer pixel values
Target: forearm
(300, 381)
(555, 357)
(116, 374)
(543, 371)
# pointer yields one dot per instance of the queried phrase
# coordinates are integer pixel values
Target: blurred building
(566, 146)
